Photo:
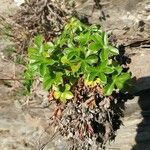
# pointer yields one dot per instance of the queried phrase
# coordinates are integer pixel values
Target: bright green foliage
(80, 50)
(63, 94)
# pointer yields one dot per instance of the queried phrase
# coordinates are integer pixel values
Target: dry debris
(90, 118)
(46, 17)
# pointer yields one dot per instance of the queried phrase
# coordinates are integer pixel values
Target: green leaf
(33, 53)
(104, 55)
(108, 70)
(35, 64)
(49, 46)
(103, 65)
(58, 78)
(122, 79)
(103, 78)
(105, 38)
(92, 59)
(47, 82)
(70, 43)
(113, 50)
(64, 60)
(57, 94)
(38, 40)
(61, 41)
(97, 39)
(108, 89)
(66, 96)
(124, 76)
(75, 67)
(71, 52)
(84, 67)
(43, 69)
(92, 76)
(94, 28)
(118, 69)
(67, 87)
(82, 38)
(90, 52)
(94, 46)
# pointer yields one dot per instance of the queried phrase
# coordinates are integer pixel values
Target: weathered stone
(140, 68)
(26, 128)
(147, 8)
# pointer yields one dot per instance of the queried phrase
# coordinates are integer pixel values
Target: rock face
(24, 122)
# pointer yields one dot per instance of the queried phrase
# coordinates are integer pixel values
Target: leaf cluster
(80, 51)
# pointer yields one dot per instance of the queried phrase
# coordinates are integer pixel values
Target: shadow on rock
(143, 129)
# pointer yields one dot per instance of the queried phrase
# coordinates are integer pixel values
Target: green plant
(80, 51)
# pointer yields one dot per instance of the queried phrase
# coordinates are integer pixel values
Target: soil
(24, 121)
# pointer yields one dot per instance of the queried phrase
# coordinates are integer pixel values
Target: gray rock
(147, 8)
(26, 128)
(140, 68)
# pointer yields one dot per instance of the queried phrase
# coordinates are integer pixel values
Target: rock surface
(24, 122)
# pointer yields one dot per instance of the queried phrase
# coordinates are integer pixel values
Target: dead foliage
(90, 118)
(46, 17)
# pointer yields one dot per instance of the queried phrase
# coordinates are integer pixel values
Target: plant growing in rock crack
(79, 71)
